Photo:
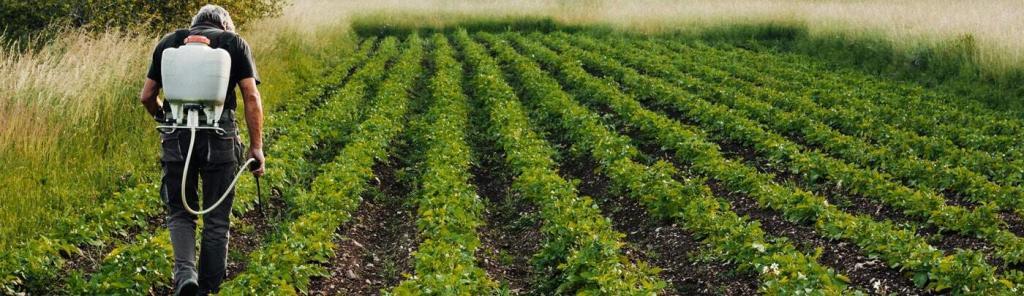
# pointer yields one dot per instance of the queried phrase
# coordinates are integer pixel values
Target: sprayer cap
(197, 39)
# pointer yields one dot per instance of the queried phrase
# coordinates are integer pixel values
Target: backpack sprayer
(195, 78)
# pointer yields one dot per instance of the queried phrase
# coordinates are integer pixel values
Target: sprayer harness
(192, 124)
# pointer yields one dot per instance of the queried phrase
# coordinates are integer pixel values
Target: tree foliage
(31, 17)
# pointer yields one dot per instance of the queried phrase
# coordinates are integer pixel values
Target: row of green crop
(783, 269)
(320, 88)
(285, 265)
(784, 94)
(923, 174)
(449, 209)
(296, 127)
(948, 122)
(34, 265)
(945, 109)
(293, 116)
(965, 272)
(581, 252)
(802, 120)
(146, 264)
(811, 165)
(900, 142)
(305, 131)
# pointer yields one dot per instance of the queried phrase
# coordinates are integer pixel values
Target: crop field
(519, 162)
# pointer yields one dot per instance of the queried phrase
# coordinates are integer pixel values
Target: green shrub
(46, 16)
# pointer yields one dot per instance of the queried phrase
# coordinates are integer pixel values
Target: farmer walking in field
(215, 156)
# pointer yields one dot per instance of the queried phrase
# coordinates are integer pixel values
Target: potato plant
(285, 265)
(962, 272)
(450, 212)
(689, 202)
(581, 251)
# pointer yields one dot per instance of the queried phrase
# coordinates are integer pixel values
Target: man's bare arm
(253, 120)
(150, 90)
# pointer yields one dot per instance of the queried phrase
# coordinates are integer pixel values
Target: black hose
(259, 198)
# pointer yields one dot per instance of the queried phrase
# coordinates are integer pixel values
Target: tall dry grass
(71, 130)
(65, 85)
(67, 134)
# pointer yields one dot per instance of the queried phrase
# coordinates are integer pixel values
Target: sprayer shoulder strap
(179, 36)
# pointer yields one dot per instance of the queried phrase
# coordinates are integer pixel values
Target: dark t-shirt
(242, 63)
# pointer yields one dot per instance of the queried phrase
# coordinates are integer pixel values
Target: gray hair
(214, 15)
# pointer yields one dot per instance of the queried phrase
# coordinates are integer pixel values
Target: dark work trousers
(215, 160)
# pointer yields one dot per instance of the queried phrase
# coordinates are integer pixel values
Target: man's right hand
(253, 121)
(260, 166)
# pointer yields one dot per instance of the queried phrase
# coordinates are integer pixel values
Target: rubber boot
(187, 287)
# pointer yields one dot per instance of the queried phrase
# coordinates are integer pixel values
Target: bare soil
(250, 230)
(661, 243)
(374, 249)
(852, 203)
(866, 273)
(1014, 222)
(511, 234)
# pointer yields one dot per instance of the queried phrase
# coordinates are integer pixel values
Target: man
(215, 158)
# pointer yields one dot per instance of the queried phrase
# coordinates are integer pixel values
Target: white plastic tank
(195, 73)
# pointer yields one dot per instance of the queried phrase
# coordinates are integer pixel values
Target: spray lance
(195, 84)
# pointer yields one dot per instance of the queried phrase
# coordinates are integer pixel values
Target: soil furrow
(511, 234)
(865, 273)
(374, 249)
(679, 253)
(851, 202)
(250, 231)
